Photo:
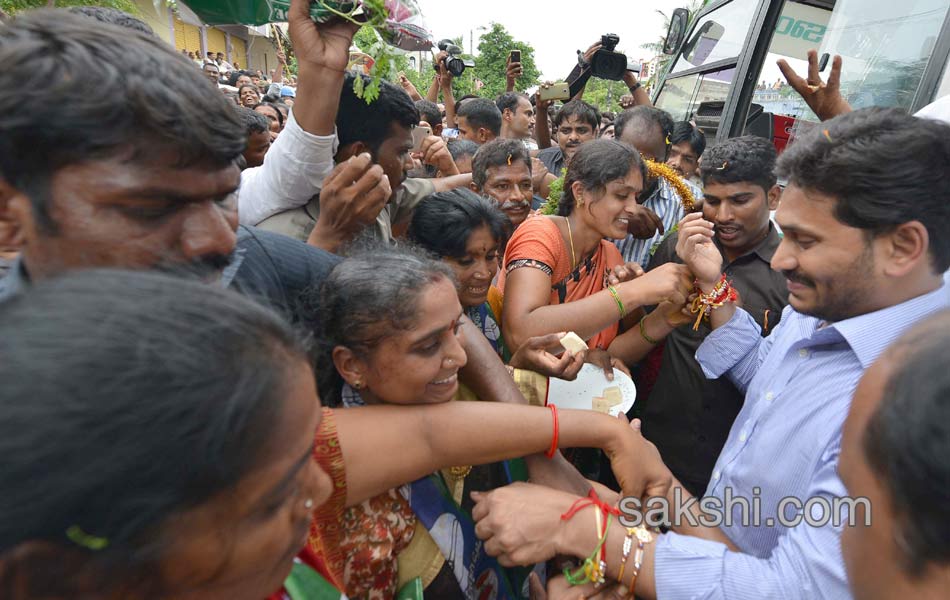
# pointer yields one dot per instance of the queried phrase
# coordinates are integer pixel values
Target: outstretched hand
(535, 355)
(823, 98)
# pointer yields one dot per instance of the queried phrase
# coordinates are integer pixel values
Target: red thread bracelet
(554, 439)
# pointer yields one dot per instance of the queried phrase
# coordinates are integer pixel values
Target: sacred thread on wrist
(554, 438)
(616, 296)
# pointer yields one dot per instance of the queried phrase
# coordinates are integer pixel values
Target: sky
(555, 29)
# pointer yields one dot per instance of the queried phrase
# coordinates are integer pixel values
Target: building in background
(245, 47)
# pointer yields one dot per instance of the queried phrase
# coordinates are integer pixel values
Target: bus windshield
(885, 46)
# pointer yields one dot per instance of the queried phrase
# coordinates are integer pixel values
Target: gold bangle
(643, 332)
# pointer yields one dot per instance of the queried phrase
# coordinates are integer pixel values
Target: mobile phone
(557, 91)
(823, 62)
(514, 56)
(419, 134)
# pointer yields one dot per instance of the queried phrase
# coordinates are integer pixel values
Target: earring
(358, 385)
(308, 504)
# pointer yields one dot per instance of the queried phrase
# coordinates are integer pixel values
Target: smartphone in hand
(419, 134)
(556, 91)
(514, 56)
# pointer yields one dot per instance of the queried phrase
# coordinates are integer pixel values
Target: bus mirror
(674, 36)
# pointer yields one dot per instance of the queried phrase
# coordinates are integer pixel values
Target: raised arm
(294, 169)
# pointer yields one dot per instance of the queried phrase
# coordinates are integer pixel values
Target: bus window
(719, 35)
(885, 46)
(681, 97)
(800, 28)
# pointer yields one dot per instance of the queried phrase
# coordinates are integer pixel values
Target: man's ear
(474, 187)
(483, 135)
(906, 246)
(15, 208)
(507, 114)
(350, 150)
(774, 196)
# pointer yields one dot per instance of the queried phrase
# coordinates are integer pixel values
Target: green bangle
(643, 333)
(620, 306)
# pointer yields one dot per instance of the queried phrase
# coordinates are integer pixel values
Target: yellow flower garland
(679, 184)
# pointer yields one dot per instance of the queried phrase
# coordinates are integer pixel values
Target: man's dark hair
(280, 115)
(579, 109)
(254, 122)
(496, 153)
(429, 112)
(129, 398)
(235, 75)
(509, 101)
(460, 148)
(645, 117)
(357, 121)
(442, 223)
(96, 92)
(747, 159)
(113, 17)
(884, 168)
(907, 442)
(481, 112)
(685, 132)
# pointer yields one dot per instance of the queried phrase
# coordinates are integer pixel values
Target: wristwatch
(634, 87)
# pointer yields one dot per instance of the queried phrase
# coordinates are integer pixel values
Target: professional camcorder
(607, 64)
(454, 62)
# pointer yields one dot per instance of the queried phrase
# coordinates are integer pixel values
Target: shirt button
(743, 437)
(717, 475)
(769, 396)
(803, 353)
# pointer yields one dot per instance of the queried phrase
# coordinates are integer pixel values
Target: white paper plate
(590, 383)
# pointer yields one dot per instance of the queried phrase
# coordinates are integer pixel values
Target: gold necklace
(570, 238)
(460, 472)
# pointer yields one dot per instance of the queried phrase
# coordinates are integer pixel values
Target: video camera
(607, 64)
(454, 62)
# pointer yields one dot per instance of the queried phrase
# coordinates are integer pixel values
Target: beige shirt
(299, 222)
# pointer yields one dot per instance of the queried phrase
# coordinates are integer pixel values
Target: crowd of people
(261, 339)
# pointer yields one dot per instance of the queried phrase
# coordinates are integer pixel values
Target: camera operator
(581, 74)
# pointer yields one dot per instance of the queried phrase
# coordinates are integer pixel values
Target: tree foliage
(604, 94)
(493, 48)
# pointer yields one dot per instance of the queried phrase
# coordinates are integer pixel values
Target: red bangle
(554, 438)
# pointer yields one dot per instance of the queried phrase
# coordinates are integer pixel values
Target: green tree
(604, 94)
(14, 6)
(493, 48)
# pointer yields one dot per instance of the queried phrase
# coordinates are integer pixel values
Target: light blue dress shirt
(786, 440)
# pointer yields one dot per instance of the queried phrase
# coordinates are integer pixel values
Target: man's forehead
(116, 178)
(515, 171)
(574, 121)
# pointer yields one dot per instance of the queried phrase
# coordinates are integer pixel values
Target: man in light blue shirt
(865, 217)
(864, 250)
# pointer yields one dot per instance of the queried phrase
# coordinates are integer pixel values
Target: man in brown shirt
(686, 415)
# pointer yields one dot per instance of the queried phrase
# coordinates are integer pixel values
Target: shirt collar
(870, 334)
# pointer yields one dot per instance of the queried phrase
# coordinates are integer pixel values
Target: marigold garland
(679, 184)
(655, 170)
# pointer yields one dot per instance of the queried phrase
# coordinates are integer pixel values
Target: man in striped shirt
(648, 130)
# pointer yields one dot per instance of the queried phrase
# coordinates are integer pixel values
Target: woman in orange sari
(558, 269)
